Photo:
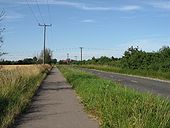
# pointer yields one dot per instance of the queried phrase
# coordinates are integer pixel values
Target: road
(55, 106)
(157, 87)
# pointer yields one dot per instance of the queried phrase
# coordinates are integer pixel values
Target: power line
(75, 58)
(45, 26)
(50, 21)
(67, 56)
(66, 49)
(94, 49)
(48, 8)
(40, 11)
(36, 19)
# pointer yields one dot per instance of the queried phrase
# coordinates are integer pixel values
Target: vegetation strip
(143, 73)
(17, 86)
(117, 106)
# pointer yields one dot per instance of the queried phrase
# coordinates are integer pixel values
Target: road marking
(134, 81)
(147, 78)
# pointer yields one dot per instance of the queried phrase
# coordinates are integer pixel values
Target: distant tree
(165, 51)
(114, 59)
(35, 59)
(104, 60)
(2, 13)
(48, 56)
(133, 58)
(54, 61)
(93, 60)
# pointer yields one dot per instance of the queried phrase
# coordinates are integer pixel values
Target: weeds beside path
(55, 106)
(117, 106)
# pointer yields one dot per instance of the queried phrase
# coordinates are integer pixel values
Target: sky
(101, 27)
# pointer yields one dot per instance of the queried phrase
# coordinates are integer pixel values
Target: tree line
(34, 60)
(134, 58)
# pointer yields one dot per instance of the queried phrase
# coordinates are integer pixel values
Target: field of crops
(17, 86)
(116, 106)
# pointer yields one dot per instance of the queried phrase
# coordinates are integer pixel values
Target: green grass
(145, 73)
(17, 86)
(116, 106)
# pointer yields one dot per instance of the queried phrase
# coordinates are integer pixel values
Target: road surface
(55, 106)
(157, 87)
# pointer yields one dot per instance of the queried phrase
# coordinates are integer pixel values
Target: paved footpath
(55, 106)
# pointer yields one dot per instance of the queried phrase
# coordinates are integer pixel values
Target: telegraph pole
(75, 58)
(45, 26)
(81, 52)
(67, 56)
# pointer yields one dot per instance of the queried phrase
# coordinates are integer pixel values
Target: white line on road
(111, 76)
(134, 81)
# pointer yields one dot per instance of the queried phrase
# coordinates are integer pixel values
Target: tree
(133, 58)
(104, 60)
(48, 56)
(1, 30)
(54, 61)
(35, 60)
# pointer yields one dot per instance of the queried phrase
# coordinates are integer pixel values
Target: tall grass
(117, 106)
(145, 73)
(17, 86)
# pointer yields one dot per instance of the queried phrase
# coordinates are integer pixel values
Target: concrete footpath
(55, 106)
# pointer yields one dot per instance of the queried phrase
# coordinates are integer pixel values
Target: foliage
(48, 56)
(17, 86)
(137, 59)
(103, 60)
(54, 61)
(20, 62)
(116, 106)
(25, 61)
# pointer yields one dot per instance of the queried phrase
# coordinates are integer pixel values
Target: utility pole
(81, 52)
(45, 26)
(75, 58)
(67, 56)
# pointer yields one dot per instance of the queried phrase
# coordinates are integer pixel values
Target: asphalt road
(55, 106)
(157, 87)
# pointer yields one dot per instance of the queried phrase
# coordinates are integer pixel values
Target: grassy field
(116, 106)
(17, 86)
(145, 73)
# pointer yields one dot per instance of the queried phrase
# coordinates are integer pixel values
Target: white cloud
(87, 7)
(93, 8)
(161, 5)
(88, 21)
(14, 15)
(129, 8)
(81, 6)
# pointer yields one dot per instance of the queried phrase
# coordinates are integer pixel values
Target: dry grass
(18, 84)
(11, 67)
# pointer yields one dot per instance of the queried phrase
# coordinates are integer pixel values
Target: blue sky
(102, 27)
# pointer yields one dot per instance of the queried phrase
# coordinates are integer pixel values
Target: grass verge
(17, 86)
(116, 106)
(145, 73)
